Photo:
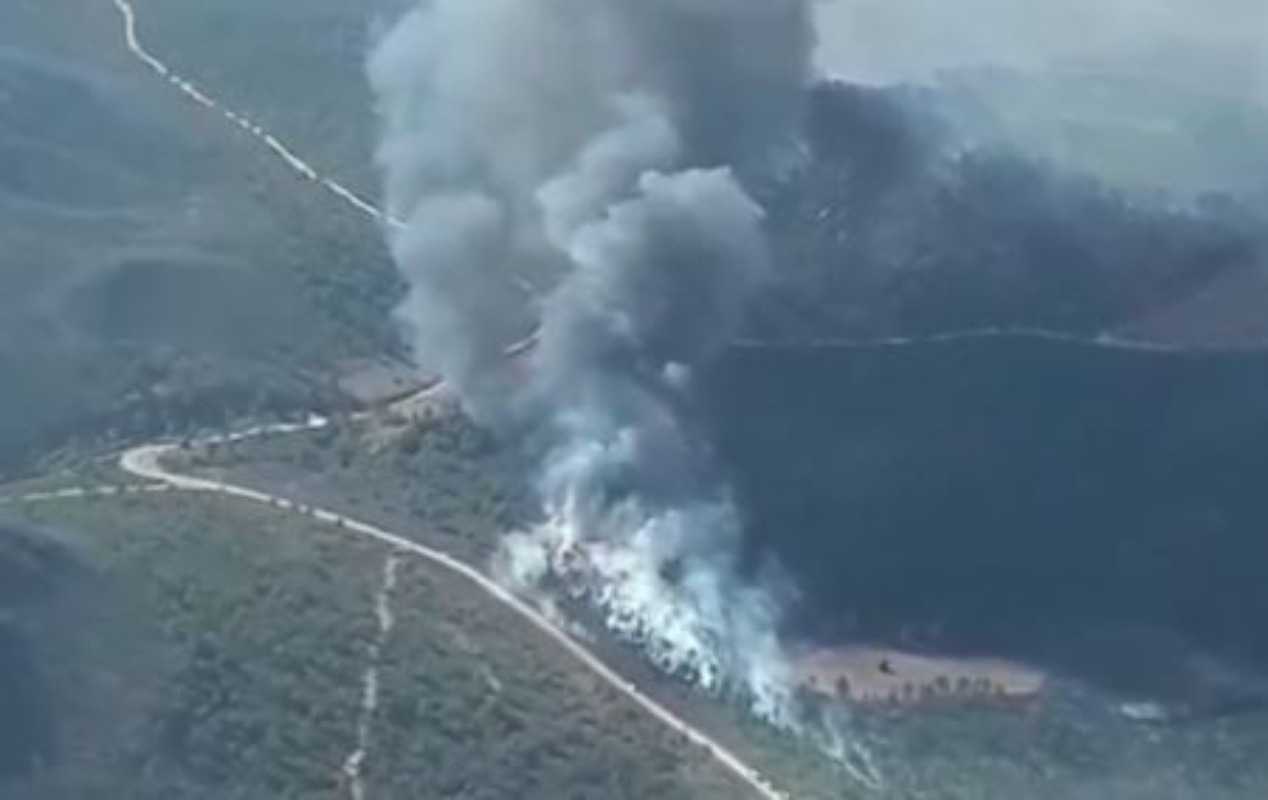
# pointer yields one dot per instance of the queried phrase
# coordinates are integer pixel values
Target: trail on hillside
(146, 462)
(354, 766)
(243, 123)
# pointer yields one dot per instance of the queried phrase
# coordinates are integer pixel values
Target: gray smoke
(593, 149)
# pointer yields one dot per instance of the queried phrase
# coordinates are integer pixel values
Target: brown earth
(876, 675)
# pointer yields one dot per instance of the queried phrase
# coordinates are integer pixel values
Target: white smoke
(594, 147)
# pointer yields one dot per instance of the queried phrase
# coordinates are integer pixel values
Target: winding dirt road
(379, 216)
(146, 462)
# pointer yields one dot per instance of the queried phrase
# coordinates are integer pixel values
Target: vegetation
(65, 473)
(984, 515)
(440, 479)
(895, 227)
(164, 272)
(1064, 741)
(160, 266)
(203, 648)
(477, 707)
(443, 482)
(296, 67)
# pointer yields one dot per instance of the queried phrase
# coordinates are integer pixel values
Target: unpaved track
(354, 765)
(83, 492)
(305, 170)
(145, 462)
(345, 195)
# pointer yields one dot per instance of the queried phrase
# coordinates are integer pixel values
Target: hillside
(1017, 567)
(1011, 494)
(297, 70)
(1051, 731)
(153, 255)
(171, 270)
(182, 647)
(899, 225)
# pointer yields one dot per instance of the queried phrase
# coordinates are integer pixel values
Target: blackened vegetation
(1010, 494)
(893, 227)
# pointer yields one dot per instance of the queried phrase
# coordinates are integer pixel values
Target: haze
(889, 41)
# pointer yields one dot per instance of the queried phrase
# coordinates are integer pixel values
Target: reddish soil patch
(875, 675)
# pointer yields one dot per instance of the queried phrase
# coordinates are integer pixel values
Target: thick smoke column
(594, 147)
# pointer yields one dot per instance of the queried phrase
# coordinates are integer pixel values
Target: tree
(843, 687)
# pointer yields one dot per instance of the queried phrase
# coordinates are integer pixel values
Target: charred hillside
(896, 225)
(1005, 492)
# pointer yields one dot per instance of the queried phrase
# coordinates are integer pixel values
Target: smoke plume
(596, 149)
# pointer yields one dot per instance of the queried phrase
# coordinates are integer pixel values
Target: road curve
(146, 462)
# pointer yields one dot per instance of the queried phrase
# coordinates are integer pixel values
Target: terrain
(875, 676)
(1014, 495)
(1004, 441)
(898, 226)
(186, 270)
(159, 266)
(195, 646)
(1057, 727)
